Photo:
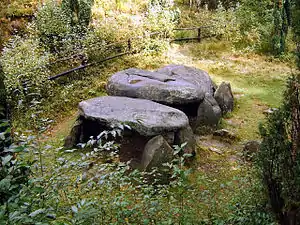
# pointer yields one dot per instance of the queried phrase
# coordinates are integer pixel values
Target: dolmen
(154, 128)
(163, 108)
(185, 88)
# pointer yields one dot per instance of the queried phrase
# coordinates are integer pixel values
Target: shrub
(52, 24)
(296, 28)
(120, 28)
(279, 156)
(221, 24)
(26, 76)
(51, 20)
(78, 12)
(256, 24)
(162, 17)
(14, 171)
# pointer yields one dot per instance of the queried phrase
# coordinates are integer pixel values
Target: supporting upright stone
(156, 152)
(224, 97)
(186, 135)
(209, 113)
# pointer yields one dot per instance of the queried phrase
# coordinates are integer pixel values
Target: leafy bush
(249, 206)
(78, 12)
(221, 24)
(26, 76)
(14, 171)
(279, 156)
(296, 29)
(247, 27)
(120, 194)
(51, 20)
(113, 30)
(120, 28)
(52, 24)
(161, 16)
(255, 20)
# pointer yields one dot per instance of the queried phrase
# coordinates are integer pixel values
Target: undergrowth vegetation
(278, 157)
(78, 187)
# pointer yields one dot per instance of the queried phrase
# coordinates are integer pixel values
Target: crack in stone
(151, 77)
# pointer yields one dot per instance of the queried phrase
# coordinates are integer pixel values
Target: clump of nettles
(279, 156)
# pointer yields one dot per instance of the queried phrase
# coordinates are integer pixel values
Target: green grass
(257, 81)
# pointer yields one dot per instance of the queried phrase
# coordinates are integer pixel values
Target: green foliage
(282, 20)
(59, 28)
(296, 28)
(78, 11)
(247, 206)
(255, 19)
(121, 195)
(51, 20)
(3, 103)
(279, 155)
(5, 140)
(52, 25)
(211, 4)
(80, 188)
(227, 4)
(17, 8)
(155, 46)
(220, 24)
(14, 171)
(162, 3)
(23, 84)
(161, 18)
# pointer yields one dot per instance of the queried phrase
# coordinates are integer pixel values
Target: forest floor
(257, 83)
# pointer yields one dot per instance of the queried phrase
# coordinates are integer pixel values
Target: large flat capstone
(145, 117)
(159, 87)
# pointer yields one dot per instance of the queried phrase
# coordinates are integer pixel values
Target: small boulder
(156, 152)
(186, 135)
(270, 111)
(224, 97)
(225, 135)
(250, 149)
(73, 138)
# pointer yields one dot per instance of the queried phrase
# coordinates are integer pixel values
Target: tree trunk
(212, 5)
